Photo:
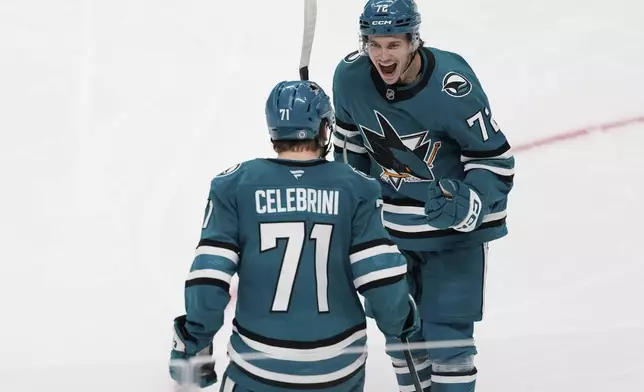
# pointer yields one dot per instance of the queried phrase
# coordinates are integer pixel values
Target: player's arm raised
(379, 269)
(487, 159)
(347, 141)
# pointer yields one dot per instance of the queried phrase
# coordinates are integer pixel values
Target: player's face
(390, 55)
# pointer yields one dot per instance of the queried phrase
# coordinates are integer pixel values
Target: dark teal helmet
(296, 110)
(388, 17)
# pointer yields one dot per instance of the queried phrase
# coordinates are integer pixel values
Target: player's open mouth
(388, 69)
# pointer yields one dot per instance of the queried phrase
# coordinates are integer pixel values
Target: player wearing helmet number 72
(416, 118)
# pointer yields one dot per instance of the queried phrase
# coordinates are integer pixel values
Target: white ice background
(114, 116)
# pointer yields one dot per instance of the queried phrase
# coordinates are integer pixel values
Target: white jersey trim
(216, 251)
(293, 378)
(506, 155)
(302, 355)
(348, 145)
(380, 274)
(370, 252)
(494, 169)
(453, 379)
(412, 388)
(346, 132)
(210, 274)
(421, 228)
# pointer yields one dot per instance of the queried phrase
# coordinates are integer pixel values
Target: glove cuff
(186, 343)
(473, 214)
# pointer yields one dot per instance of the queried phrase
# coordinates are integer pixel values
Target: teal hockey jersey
(304, 237)
(439, 127)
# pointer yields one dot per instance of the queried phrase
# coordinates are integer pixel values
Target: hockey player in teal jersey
(304, 236)
(417, 119)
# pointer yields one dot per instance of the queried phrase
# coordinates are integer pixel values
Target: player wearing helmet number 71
(417, 119)
(305, 236)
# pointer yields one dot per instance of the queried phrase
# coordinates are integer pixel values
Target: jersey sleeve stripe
(217, 251)
(348, 145)
(502, 152)
(218, 244)
(373, 251)
(379, 275)
(492, 217)
(380, 283)
(209, 277)
(345, 132)
(370, 244)
(394, 209)
(208, 282)
(501, 157)
(501, 171)
(349, 127)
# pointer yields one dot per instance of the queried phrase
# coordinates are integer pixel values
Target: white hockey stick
(310, 16)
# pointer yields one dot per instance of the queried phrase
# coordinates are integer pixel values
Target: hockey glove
(453, 204)
(184, 347)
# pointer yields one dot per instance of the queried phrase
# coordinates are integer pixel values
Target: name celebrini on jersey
(320, 201)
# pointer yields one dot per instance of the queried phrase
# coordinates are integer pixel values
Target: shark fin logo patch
(456, 85)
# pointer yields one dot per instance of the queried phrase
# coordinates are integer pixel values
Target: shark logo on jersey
(229, 171)
(456, 85)
(403, 159)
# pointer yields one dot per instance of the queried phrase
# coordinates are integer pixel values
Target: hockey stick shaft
(412, 366)
(310, 17)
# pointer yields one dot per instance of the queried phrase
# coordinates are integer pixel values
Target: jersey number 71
(295, 233)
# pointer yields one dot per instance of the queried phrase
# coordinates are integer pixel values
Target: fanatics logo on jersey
(297, 173)
(407, 158)
(456, 85)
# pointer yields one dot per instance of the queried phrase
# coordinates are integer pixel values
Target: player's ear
(323, 133)
(415, 41)
(322, 138)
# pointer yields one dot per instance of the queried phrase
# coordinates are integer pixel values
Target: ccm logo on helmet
(381, 22)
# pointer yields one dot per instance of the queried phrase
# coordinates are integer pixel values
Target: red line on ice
(605, 127)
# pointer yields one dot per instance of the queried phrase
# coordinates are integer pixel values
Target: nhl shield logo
(391, 94)
(456, 85)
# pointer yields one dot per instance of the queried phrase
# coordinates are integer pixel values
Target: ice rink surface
(115, 115)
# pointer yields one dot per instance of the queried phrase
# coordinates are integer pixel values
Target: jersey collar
(402, 92)
(290, 162)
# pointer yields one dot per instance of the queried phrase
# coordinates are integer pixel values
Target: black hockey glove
(453, 204)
